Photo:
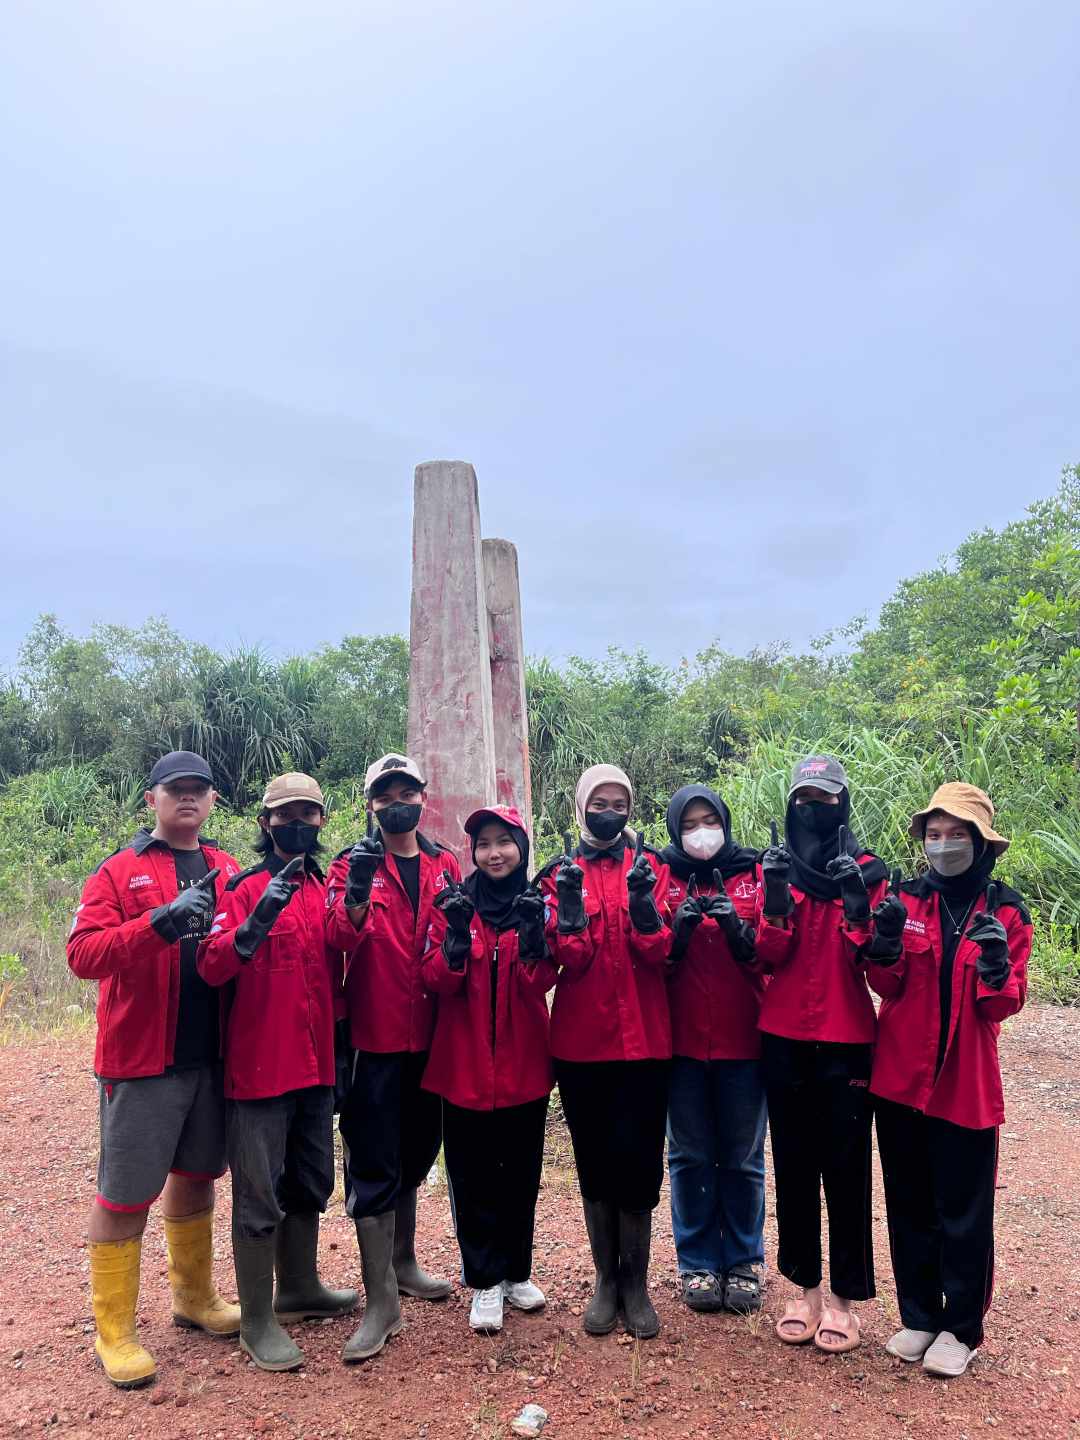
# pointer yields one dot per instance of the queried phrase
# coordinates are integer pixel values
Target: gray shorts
(156, 1125)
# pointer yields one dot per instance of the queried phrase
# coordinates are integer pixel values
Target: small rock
(180, 1401)
(160, 1397)
(530, 1421)
(17, 1354)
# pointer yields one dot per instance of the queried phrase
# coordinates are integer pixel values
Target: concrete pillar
(512, 781)
(451, 730)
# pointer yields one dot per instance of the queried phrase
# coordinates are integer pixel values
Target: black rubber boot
(602, 1223)
(261, 1336)
(411, 1279)
(301, 1295)
(635, 1236)
(382, 1309)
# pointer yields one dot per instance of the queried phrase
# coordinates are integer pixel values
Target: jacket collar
(142, 840)
(274, 863)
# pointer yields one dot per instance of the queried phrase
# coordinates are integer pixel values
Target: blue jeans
(716, 1160)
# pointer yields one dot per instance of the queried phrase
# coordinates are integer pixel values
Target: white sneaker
(947, 1356)
(524, 1295)
(487, 1309)
(910, 1345)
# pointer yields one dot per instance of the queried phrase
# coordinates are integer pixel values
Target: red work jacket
(967, 1089)
(715, 999)
(112, 941)
(389, 1005)
(611, 995)
(278, 1012)
(817, 989)
(490, 1047)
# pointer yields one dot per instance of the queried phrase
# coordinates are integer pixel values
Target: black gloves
(989, 934)
(640, 882)
(848, 872)
(687, 918)
(775, 875)
(740, 936)
(529, 915)
(889, 916)
(455, 904)
(571, 906)
(364, 858)
(195, 903)
(251, 933)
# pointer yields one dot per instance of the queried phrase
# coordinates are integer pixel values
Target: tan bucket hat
(962, 802)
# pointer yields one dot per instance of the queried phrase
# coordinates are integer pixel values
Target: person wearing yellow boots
(162, 1115)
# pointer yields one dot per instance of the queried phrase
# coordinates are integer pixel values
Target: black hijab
(730, 859)
(811, 852)
(494, 899)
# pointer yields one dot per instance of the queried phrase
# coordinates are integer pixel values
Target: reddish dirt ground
(703, 1375)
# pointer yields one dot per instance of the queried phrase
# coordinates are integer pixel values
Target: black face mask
(295, 838)
(397, 817)
(605, 824)
(818, 817)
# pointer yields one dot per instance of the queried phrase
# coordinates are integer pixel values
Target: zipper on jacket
(494, 980)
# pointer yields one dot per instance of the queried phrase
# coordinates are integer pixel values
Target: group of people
(704, 994)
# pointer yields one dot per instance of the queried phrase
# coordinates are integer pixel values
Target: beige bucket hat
(962, 802)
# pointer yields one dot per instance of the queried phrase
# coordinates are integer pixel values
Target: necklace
(958, 925)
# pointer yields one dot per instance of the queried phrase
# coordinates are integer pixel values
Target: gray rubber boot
(301, 1295)
(411, 1279)
(261, 1336)
(602, 1223)
(382, 1309)
(635, 1237)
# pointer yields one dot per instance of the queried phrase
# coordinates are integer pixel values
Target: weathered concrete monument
(468, 725)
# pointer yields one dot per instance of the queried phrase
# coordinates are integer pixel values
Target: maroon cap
(508, 814)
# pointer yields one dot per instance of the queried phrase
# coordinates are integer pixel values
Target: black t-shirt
(408, 867)
(198, 1040)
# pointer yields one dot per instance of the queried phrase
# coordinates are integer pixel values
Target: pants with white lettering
(939, 1198)
(820, 1118)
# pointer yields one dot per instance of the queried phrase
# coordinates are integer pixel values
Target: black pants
(616, 1111)
(494, 1159)
(390, 1130)
(819, 1120)
(939, 1197)
(281, 1154)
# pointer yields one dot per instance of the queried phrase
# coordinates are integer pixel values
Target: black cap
(180, 765)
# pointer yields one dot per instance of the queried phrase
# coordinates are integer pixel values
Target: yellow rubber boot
(195, 1301)
(114, 1289)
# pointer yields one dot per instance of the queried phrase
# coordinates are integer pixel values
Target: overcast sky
(741, 313)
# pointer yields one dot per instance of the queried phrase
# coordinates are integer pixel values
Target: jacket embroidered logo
(137, 880)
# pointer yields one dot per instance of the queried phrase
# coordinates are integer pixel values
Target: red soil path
(703, 1376)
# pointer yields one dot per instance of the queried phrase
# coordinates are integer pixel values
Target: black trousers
(820, 1120)
(391, 1130)
(281, 1154)
(939, 1198)
(494, 1159)
(616, 1111)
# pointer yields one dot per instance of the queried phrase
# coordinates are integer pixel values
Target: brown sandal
(844, 1323)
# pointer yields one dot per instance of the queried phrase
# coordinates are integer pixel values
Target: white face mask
(704, 842)
(950, 857)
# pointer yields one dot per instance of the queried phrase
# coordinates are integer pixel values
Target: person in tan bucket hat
(949, 958)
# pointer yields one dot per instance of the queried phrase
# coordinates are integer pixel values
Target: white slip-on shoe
(487, 1309)
(947, 1356)
(910, 1345)
(524, 1295)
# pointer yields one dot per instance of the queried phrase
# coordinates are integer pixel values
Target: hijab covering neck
(587, 786)
(730, 859)
(494, 899)
(811, 851)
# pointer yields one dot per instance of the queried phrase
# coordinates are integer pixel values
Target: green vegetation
(971, 672)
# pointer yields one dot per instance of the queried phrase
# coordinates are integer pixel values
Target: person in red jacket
(380, 898)
(611, 1038)
(817, 1024)
(716, 1102)
(488, 962)
(162, 1114)
(949, 959)
(268, 945)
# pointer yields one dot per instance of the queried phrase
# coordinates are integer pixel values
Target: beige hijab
(590, 782)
